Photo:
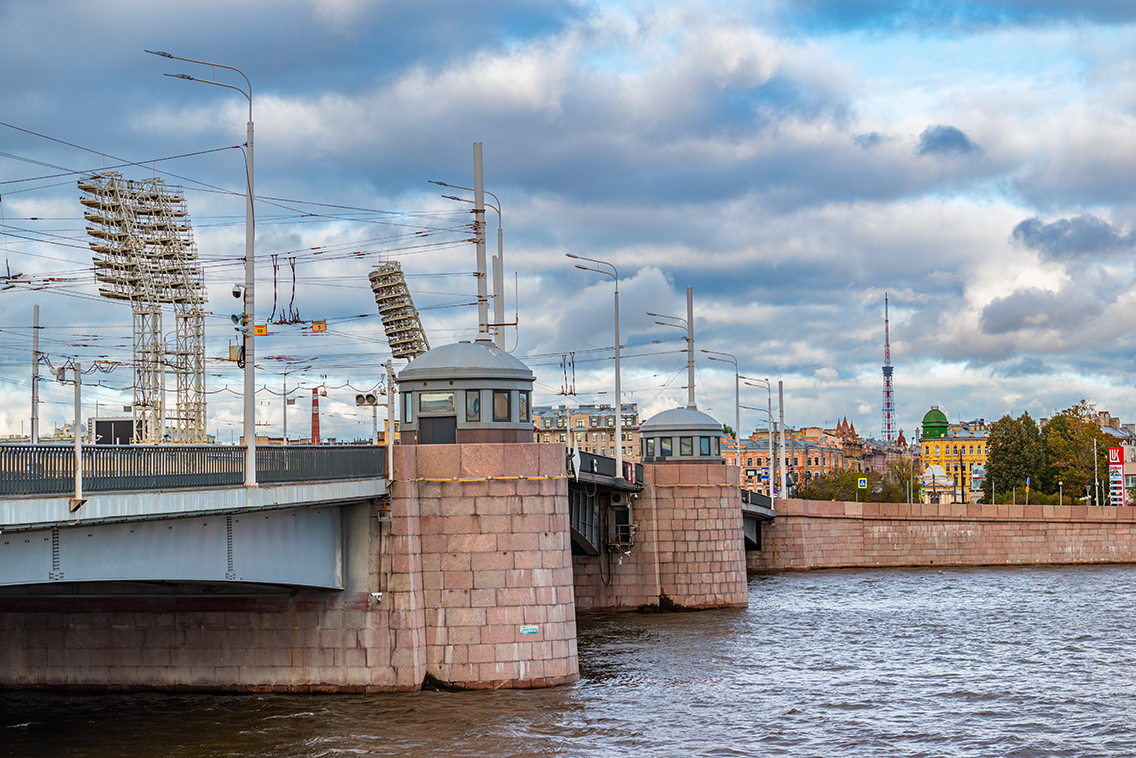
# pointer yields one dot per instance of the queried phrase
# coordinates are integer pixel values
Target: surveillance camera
(236, 290)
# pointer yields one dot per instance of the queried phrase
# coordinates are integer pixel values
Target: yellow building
(960, 451)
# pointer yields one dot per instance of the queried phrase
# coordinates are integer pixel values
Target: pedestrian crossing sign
(862, 483)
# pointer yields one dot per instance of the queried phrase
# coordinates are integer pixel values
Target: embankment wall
(823, 534)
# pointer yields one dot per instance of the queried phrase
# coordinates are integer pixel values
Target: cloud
(1037, 309)
(1024, 367)
(946, 141)
(1075, 237)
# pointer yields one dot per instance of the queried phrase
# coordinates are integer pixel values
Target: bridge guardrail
(601, 465)
(39, 470)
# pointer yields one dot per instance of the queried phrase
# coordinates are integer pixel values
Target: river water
(954, 662)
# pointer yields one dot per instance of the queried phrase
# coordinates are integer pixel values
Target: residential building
(591, 427)
(958, 449)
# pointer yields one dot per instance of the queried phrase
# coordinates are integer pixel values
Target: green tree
(1068, 439)
(1014, 453)
(844, 485)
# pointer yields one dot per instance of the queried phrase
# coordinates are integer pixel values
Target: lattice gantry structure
(405, 335)
(144, 253)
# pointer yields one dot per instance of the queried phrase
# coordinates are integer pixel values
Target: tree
(844, 485)
(1014, 454)
(1068, 440)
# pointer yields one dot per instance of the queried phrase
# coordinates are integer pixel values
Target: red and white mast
(889, 394)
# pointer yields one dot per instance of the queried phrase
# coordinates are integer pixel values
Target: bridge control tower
(467, 392)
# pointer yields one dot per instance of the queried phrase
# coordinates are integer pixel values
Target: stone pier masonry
(689, 549)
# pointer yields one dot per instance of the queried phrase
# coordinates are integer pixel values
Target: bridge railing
(601, 465)
(46, 470)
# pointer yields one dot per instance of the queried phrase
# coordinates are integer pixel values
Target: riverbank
(809, 534)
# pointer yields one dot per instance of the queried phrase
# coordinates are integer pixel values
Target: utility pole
(35, 376)
(1096, 471)
(781, 453)
(690, 347)
(479, 235)
(392, 390)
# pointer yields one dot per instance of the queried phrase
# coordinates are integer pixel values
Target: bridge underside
(294, 547)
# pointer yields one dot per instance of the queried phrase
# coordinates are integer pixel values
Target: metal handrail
(38, 470)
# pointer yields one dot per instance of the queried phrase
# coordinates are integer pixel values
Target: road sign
(319, 326)
(260, 330)
(862, 483)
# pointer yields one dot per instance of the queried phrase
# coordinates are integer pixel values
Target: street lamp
(250, 231)
(737, 403)
(498, 262)
(614, 274)
(769, 390)
(1061, 493)
(688, 324)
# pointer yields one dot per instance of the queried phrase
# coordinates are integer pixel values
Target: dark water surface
(965, 662)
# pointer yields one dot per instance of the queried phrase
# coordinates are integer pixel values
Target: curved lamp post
(250, 269)
(737, 402)
(614, 274)
(769, 390)
(498, 263)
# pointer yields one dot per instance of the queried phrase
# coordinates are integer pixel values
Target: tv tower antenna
(889, 393)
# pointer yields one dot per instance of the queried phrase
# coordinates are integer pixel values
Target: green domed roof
(934, 424)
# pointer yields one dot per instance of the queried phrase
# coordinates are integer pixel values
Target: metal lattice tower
(145, 254)
(889, 394)
(404, 330)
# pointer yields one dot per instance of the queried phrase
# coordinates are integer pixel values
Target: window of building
(473, 407)
(563, 437)
(611, 421)
(407, 405)
(749, 461)
(649, 447)
(927, 450)
(686, 446)
(717, 446)
(435, 402)
(665, 446)
(546, 436)
(580, 436)
(501, 409)
(704, 446)
(523, 405)
(579, 423)
(936, 451)
(594, 421)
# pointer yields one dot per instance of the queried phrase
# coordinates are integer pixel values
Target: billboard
(1116, 476)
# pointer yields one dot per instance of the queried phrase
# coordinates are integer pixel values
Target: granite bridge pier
(463, 561)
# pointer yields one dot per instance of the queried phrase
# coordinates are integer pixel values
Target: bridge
(177, 515)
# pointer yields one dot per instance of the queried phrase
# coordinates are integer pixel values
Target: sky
(790, 160)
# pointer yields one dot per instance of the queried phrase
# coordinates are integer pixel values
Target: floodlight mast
(250, 268)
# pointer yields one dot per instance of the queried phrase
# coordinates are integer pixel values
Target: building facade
(960, 451)
(593, 428)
